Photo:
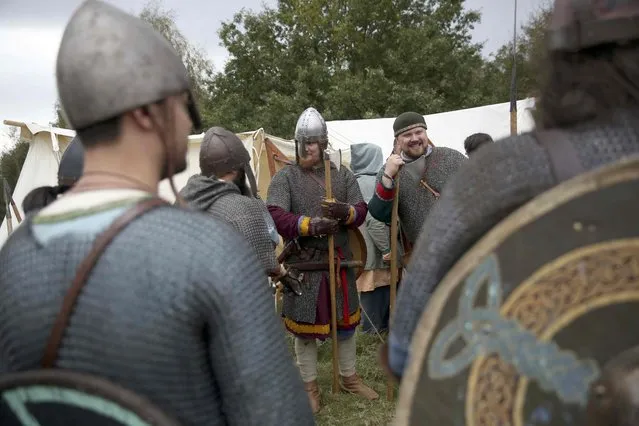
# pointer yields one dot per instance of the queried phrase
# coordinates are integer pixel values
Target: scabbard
(323, 266)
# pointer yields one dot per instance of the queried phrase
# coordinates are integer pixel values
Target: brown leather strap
(319, 181)
(83, 271)
(563, 156)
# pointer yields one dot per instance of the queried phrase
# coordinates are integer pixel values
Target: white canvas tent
(448, 129)
(269, 153)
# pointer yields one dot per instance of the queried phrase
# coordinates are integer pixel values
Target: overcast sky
(30, 32)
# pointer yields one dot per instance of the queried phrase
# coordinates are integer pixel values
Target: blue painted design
(18, 398)
(484, 332)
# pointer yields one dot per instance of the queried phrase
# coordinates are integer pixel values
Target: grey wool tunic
(496, 181)
(177, 310)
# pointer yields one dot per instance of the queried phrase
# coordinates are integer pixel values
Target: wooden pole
(513, 81)
(332, 276)
(7, 203)
(394, 231)
(15, 210)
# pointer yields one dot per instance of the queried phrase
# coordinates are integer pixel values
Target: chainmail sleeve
(242, 324)
(279, 191)
(250, 223)
(488, 187)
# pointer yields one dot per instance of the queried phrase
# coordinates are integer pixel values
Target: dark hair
(588, 85)
(41, 197)
(100, 133)
(476, 140)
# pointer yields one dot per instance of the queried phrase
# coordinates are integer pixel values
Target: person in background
(423, 171)
(304, 218)
(69, 171)
(475, 141)
(374, 283)
(221, 190)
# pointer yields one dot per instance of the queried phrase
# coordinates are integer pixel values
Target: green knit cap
(407, 121)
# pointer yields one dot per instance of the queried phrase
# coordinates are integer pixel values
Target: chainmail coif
(500, 178)
(172, 311)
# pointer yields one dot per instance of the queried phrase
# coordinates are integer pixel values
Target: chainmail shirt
(172, 311)
(496, 181)
(224, 201)
(294, 190)
(416, 201)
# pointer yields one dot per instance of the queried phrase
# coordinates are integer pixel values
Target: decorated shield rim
(91, 385)
(357, 234)
(605, 176)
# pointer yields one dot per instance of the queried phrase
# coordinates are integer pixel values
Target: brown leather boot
(312, 390)
(354, 384)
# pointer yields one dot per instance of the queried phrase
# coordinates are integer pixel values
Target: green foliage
(11, 161)
(199, 68)
(350, 59)
(530, 58)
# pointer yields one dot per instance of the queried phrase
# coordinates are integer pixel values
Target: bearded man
(158, 313)
(296, 200)
(423, 171)
(221, 190)
(589, 116)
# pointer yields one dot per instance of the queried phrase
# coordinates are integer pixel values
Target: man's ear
(142, 117)
(148, 116)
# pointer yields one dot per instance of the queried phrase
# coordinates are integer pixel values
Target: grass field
(346, 409)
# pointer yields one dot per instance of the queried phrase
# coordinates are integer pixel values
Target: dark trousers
(376, 303)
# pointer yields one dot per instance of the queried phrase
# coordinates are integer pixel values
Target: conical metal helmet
(310, 128)
(581, 24)
(222, 152)
(71, 164)
(110, 62)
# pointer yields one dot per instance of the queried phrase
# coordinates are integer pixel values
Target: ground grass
(347, 409)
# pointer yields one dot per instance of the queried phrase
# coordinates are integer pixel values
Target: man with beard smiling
(221, 191)
(296, 200)
(423, 171)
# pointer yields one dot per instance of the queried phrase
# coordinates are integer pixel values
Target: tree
(198, 66)
(530, 58)
(350, 59)
(11, 161)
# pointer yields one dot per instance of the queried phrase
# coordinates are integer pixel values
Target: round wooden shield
(523, 324)
(357, 244)
(63, 398)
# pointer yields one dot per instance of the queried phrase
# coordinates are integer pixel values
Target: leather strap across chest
(83, 272)
(564, 159)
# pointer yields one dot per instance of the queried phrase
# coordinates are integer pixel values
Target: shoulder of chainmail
(172, 311)
(489, 186)
(279, 190)
(246, 215)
